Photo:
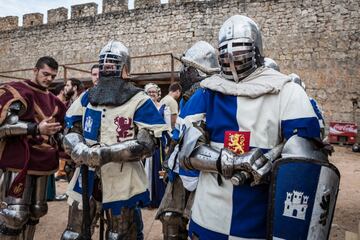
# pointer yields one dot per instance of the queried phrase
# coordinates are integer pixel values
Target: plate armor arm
(253, 165)
(127, 151)
(13, 127)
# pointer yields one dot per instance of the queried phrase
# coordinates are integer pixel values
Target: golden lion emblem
(236, 143)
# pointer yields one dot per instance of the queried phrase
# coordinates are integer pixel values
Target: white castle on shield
(295, 205)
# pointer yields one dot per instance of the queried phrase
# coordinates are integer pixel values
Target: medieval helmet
(240, 47)
(114, 52)
(296, 79)
(270, 63)
(199, 62)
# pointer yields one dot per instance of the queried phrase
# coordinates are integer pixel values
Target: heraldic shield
(302, 199)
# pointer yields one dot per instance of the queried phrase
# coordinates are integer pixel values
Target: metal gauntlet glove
(251, 165)
(127, 151)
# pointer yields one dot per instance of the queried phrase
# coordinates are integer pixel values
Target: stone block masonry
(319, 39)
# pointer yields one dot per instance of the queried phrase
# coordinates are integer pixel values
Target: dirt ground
(347, 213)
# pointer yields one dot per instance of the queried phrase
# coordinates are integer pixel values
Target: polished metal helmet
(114, 52)
(240, 47)
(296, 79)
(270, 63)
(203, 57)
(199, 62)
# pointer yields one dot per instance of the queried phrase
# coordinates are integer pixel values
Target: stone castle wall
(317, 39)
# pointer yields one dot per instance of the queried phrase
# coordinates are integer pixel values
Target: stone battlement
(80, 11)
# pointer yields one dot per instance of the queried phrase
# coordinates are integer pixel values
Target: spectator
(153, 165)
(73, 88)
(170, 100)
(95, 74)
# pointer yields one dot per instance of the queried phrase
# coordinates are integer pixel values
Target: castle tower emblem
(295, 205)
(88, 124)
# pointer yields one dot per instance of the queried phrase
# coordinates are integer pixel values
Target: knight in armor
(112, 128)
(198, 62)
(30, 119)
(249, 111)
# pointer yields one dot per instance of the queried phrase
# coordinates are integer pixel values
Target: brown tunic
(41, 151)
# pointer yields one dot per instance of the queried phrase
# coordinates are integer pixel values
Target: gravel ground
(347, 213)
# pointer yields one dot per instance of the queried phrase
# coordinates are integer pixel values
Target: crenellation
(9, 23)
(57, 15)
(33, 19)
(146, 3)
(84, 10)
(114, 5)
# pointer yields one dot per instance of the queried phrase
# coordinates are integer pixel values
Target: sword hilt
(240, 178)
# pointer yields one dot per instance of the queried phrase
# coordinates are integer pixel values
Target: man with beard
(94, 74)
(30, 118)
(170, 100)
(73, 88)
(111, 130)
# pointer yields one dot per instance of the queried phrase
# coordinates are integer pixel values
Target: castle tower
(32, 19)
(8, 23)
(57, 15)
(146, 3)
(84, 10)
(115, 5)
(297, 197)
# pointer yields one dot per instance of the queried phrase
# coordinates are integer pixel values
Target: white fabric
(120, 181)
(262, 81)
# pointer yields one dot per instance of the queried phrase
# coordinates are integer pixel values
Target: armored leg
(123, 226)
(172, 210)
(38, 207)
(73, 229)
(14, 212)
(74, 226)
(174, 226)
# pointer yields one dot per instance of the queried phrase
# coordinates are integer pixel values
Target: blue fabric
(139, 224)
(316, 109)
(181, 103)
(188, 173)
(85, 99)
(204, 101)
(303, 127)
(71, 120)
(196, 104)
(221, 115)
(249, 211)
(158, 185)
(290, 178)
(203, 233)
(91, 124)
(175, 134)
(51, 188)
(91, 181)
(148, 114)
(141, 199)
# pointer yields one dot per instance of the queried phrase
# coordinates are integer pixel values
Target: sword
(86, 226)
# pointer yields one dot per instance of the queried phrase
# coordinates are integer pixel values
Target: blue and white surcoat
(271, 108)
(123, 184)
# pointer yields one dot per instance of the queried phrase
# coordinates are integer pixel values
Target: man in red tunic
(30, 118)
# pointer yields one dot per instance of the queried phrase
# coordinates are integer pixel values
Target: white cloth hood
(263, 81)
